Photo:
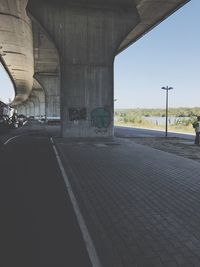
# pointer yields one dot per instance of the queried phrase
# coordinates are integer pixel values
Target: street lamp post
(166, 124)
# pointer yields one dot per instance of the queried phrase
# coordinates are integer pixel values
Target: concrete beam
(16, 46)
(87, 39)
(151, 14)
(46, 58)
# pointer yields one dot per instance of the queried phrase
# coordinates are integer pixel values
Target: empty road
(38, 224)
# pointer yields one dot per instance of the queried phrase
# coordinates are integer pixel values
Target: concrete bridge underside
(66, 49)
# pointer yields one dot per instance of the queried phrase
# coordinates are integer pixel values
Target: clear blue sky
(6, 86)
(169, 55)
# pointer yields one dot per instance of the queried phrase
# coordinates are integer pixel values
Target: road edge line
(84, 230)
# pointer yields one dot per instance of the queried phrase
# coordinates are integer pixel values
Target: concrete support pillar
(21, 110)
(87, 37)
(18, 108)
(38, 98)
(37, 108)
(25, 110)
(36, 102)
(30, 108)
(42, 108)
(51, 86)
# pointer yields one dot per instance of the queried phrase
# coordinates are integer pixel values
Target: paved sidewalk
(141, 205)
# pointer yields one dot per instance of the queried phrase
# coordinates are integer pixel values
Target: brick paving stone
(180, 258)
(171, 264)
(156, 262)
(186, 252)
(195, 261)
(141, 205)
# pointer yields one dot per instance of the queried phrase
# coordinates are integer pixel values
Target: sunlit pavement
(141, 205)
(127, 132)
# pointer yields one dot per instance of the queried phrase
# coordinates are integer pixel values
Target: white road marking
(10, 139)
(86, 236)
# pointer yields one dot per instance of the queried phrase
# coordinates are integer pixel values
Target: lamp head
(167, 88)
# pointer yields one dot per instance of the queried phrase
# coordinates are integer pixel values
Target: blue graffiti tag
(100, 117)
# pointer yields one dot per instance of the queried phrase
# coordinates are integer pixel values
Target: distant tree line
(176, 112)
(185, 116)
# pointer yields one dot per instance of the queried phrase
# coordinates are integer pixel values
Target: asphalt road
(38, 224)
(139, 132)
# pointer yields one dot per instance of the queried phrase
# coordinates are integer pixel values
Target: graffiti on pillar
(77, 114)
(100, 119)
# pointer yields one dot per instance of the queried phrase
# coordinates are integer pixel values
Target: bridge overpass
(60, 55)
